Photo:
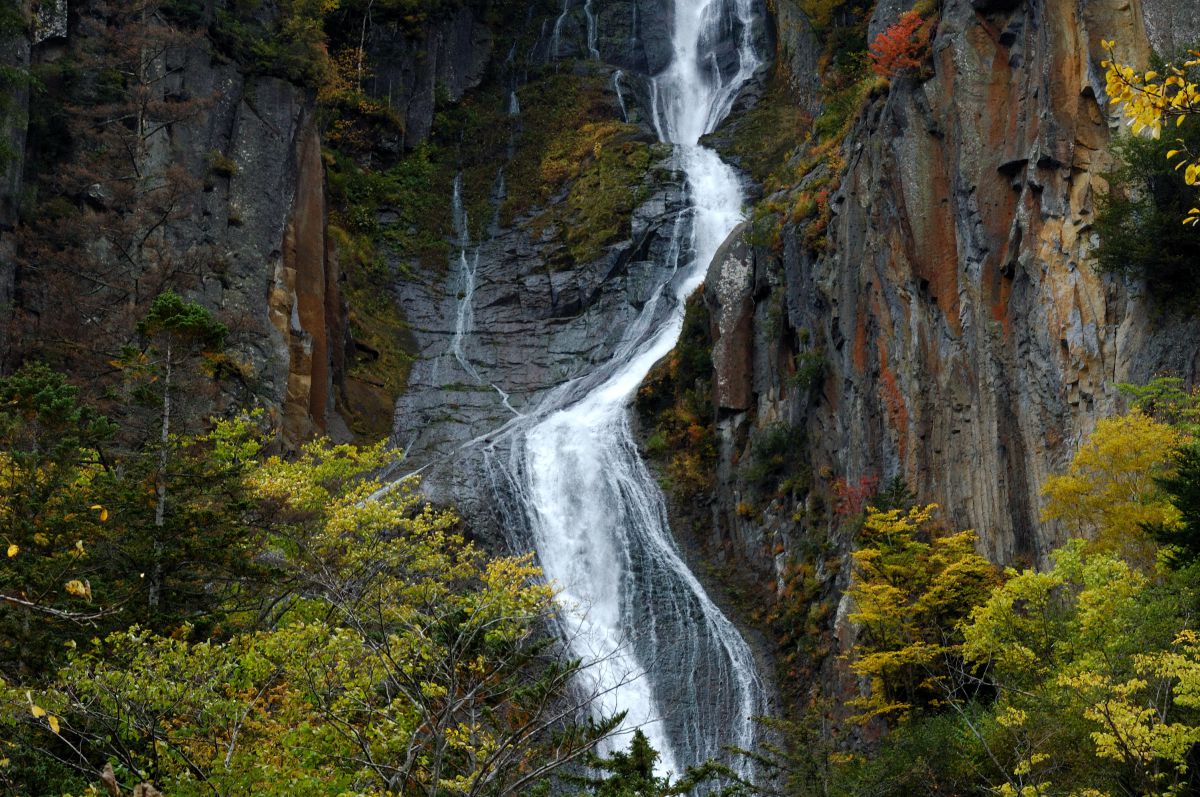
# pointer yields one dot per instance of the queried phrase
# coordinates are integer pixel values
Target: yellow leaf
(1171, 153)
(37, 711)
(103, 515)
(53, 720)
(80, 589)
(13, 550)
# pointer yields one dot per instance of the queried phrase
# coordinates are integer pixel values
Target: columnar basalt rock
(415, 70)
(968, 343)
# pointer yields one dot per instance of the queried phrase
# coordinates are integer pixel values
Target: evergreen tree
(1183, 490)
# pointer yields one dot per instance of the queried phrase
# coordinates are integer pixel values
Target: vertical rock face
(305, 305)
(263, 220)
(267, 220)
(252, 234)
(968, 344)
(410, 69)
(492, 341)
(796, 53)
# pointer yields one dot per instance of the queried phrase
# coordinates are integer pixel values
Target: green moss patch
(378, 371)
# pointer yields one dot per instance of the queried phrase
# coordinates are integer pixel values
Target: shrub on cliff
(1138, 221)
(903, 47)
(1150, 101)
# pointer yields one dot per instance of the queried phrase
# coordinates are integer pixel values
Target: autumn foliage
(902, 47)
(1151, 100)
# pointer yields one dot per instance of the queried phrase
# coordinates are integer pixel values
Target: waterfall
(568, 477)
(616, 81)
(557, 37)
(468, 264)
(660, 649)
(590, 15)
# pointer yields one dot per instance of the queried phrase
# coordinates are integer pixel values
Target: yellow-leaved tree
(1096, 678)
(396, 658)
(1153, 100)
(913, 586)
(1109, 494)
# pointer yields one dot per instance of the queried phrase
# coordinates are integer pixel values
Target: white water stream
(568, 470)
(666, 654)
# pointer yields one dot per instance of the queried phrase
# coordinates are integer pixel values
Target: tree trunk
(160, 509)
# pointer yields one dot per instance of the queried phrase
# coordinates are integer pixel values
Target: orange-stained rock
(304, 302)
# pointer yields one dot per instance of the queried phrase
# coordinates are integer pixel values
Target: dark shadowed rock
(448, 56)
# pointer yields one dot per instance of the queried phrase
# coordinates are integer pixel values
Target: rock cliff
(936, 314)
(247, 234)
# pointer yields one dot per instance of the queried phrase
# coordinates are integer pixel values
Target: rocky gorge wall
(937, 316)
(252, 229)
(917, 301)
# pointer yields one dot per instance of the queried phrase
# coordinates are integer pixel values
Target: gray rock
(413, 74)
(886, 14)
(969, 344)
(532, 331)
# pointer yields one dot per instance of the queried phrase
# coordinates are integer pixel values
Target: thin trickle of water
(593, 51)
(468, 264)
(504, 399)
(514, 105)
(536, 44)
(655, 121)
(616, 81)
(556, 38)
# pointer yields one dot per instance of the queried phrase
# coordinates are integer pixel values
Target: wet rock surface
(533, 329)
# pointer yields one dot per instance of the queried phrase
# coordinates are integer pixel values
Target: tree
(901, 48)
(454, 646)
(1167, 399)
(1152, 100)
(1181, 540)
(911, 589)
(174, 330)
(398, 659)
(1109, 494)
(1137, 220)
(50, 514)
(625, 773)
(1094, 671)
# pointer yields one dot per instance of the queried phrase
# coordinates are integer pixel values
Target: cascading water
(590, 15)
(616, 81)
(566, 472)
(569, 470)
(468, 264)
